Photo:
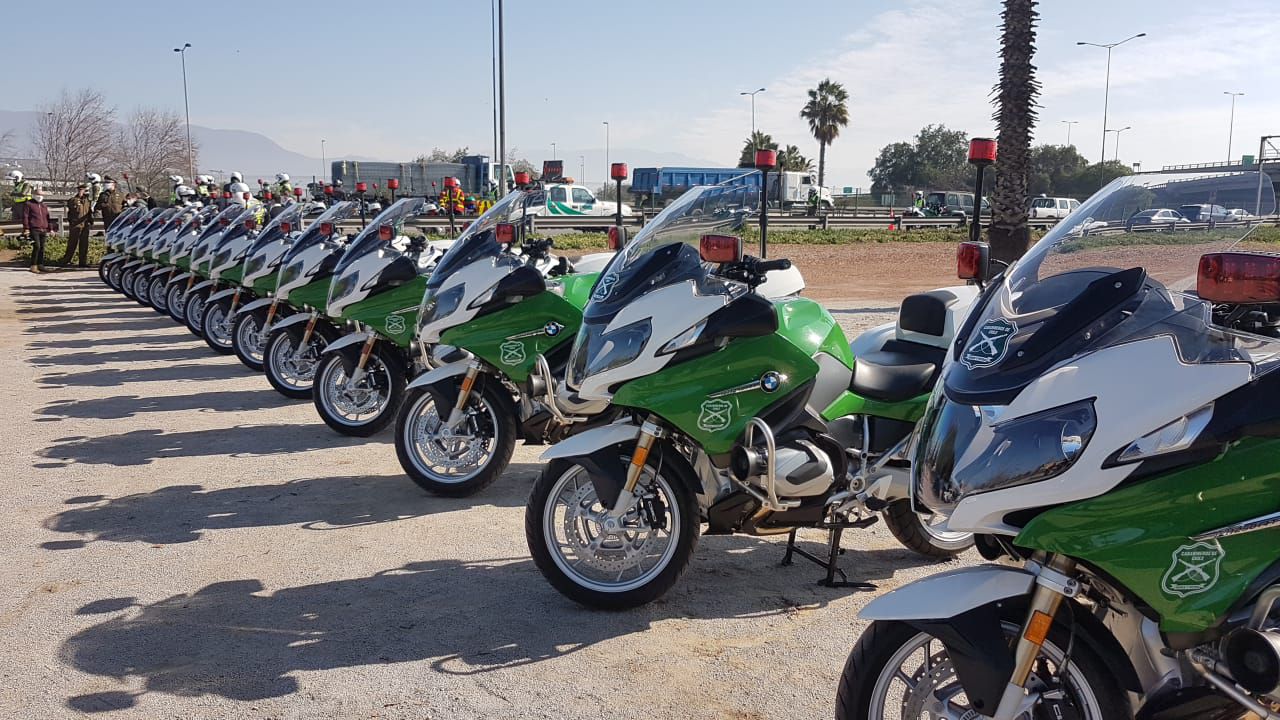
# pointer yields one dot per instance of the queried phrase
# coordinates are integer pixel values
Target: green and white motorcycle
(743, 412)
(295, 330)
(258, 281)
(376, 290)
(164, 267)
(499, 310)
(191, 259)
(1107, 420)
(115, 236)
(139, 248)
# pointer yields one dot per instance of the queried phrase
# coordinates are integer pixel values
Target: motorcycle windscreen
(478, 240)
(370, 240)
(1102, 277)
(292, 215)
(336, 214)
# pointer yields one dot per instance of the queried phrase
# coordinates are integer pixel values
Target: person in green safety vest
(20, 194)
(174, 198)
(203, 183)
(282, 189)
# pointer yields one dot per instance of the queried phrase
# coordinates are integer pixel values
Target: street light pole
(502, 102)
(1231, 131)
(1106, 93)
(1116, 157)
(753, 115)
(324, 167)
(191, 163)
(553, 151)
(606, 146)
(1069, 123)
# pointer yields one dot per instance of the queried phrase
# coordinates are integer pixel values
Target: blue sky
(391, 79)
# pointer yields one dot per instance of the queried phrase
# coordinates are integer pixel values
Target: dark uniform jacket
(79, 211)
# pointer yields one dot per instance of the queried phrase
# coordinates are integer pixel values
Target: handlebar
(765, 266)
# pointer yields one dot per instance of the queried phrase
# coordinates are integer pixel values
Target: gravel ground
(183, 542)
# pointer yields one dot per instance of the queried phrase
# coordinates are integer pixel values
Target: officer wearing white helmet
(95, 184)
(185, 194)
(235, 178)
(20, 193)
(282, 189)
(239, 193)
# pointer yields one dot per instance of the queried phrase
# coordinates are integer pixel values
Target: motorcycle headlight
(343, 287)
(960, 455)
(438, 306)
(596, 351)
(290, 273)
(255, 265)
(684, 339)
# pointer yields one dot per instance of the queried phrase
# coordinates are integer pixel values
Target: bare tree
(73, 135)
(6, 140)
(150, 147)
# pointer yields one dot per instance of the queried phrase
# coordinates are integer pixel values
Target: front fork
(651, 431)
(468, 382)
(365, 351)
(1053, 583)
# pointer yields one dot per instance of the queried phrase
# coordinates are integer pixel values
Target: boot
(35, 268)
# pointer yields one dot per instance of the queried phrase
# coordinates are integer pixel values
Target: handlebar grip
(771, 265)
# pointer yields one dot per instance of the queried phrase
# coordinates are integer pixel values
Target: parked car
(1204, 213)
(1053, 207)
(1239, 214)
(1156, 216)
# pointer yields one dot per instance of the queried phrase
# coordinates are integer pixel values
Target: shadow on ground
(233, 640)
(168, 373)
(123, 406)
(142, 447)
(150, 321)
(175, 334)
(182, 513)
(152, 353)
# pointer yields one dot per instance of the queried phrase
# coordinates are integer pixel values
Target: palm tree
(790, 160)
(1015, 117)
(826, 112)
(757, 140)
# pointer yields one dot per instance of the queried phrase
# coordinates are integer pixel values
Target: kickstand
(831, 564)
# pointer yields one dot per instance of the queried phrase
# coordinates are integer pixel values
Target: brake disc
(608, 552)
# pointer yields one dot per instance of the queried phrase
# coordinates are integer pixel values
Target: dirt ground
(181, 541)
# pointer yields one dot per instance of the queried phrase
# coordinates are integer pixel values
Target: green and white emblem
(395, 324)
(990, 343)
(511, 352)
(1195, 569)
(716, 415)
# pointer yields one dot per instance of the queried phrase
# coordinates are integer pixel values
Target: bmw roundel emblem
(552, 328)
(770, 381)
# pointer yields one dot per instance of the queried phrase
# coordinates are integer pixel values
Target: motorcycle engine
(803, 465)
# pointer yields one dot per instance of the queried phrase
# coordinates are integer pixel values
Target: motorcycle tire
(492, 414)
(248, 325)
(382, 363)
(193, 312)
(914, 532)
(215, 329)
(678, 481)
(175, 296)
(279, 343)
(159, 298)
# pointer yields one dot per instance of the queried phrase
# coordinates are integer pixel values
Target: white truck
(571, 199)
(791, 189)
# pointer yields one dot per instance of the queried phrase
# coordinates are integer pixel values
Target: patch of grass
(56, 245)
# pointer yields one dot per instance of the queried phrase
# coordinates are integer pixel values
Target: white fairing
(479, 277)
(873, 339)
(671, 310)
(950, 593)
(1126, 410)
(368, 266)
(311, 258)
(273, 253)
(595, 262)
(237, 249)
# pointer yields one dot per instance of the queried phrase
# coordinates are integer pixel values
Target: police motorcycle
(291, 323)
(128, 242)
(494, 306)
(115, 235)
(158, 255)
(751, 414)
(1106, 421)
(193, 254)
(226, 255)
(229, 266)
(140, 250)
(180, 243)
(259, 279)
(375, 294)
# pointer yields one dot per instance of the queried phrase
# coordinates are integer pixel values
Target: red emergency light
(618, 171)
(766, 159)
(1238, 278)
(982, 151)
(720, 248)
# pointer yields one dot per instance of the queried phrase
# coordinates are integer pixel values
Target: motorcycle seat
(898, 371)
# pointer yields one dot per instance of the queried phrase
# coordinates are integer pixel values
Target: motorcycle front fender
(443, 372)
(259, 304)
(180, 278)
(161, 271)
(355, 338)
(948, 594)
(298, 319)
(221, 294)
(202, 286)
(594, 450)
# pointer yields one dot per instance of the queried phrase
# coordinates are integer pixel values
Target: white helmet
(175, 179)
(237, 177)
(206, 179)
(93, 177)
(15, 175)
(337, 183)
(184, 191)
(238, 191)
(282, 177)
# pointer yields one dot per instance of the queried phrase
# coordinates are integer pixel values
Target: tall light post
(324, 167)
(1106, 93)
(1231, 129)
(553, 151)
(502, 102)
(1117, 131)
(582, 168)
(1069, 123)
(191, 162)
(606, 146)
(753, 115)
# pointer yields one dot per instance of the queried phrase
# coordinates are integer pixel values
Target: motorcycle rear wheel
(918, 535)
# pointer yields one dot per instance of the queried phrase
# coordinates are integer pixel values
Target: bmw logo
(552, 328)
(770, 381)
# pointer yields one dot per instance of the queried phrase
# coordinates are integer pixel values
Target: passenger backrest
(931, 318)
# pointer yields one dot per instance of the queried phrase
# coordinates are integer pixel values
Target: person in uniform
(283, 189)
(19, 194)
(95, 185)
(79, 222)
(110, 203)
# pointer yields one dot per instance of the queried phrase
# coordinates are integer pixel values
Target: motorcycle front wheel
(175, 295)
(193, 312)
(216, 326)
(362, 408)
(114, 271)
(142, 288)
(624, 566)
(291, 369)
(896, 671)
(103, 267)
(466, 459)
(156, 289)
(249, 338)
(923, 534)
(126, 283)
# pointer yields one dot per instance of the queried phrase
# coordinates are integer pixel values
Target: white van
(1047, 207)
